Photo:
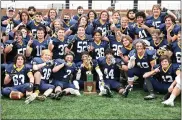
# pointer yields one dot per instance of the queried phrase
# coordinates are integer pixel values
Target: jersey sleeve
(151, 54)
(8, 68)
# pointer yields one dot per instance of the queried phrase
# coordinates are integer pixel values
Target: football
(15, 95)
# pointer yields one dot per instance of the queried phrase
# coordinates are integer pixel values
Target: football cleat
(75, 92)
(150, 97)
(41, 97)
(168, 103)
(59, 95)
(52, 95)
(108, 91)
(127, 90)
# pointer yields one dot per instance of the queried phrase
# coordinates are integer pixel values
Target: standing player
(79, 43)
(35, 47)
(79, 13)
(20, 76)
(98, 46)
(18, 46)
(58, 45)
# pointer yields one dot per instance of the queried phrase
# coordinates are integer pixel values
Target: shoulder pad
(148, 17)
(150, 52)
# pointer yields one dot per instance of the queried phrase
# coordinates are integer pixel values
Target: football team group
(50, 56)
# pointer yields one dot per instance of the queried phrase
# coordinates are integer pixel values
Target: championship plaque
(90, 85)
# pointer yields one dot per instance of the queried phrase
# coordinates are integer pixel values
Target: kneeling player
(110, 67)
(43, 68)
(20, 76)
(62, 73)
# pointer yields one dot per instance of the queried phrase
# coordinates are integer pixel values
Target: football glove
(50, 63)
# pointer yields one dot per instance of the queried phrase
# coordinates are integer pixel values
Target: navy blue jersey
(59, 48)
(88, 30)
(19, 75)
(157, 21)
(84, 70)
(76, 17)
(64, 74)
(143, 62)
(168, 75)
(38, 47)
(172, 33)
(79, 45)
(161, 43)
(99, 49)
(46, 71)
(176, 49)
(142, 33)
(115, 45)
(126, 50)
(110, 72)
(66, 26)
(17, 49)
(105, 28)
(32, 26)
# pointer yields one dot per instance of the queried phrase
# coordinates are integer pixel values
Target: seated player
(89, 66)
(141, 60)
(176, 90)
(19, 79)
(110, 68)
(43, 69)
(63, 73)
(161, 78)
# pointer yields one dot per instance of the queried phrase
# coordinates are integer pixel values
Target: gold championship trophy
(90, 85)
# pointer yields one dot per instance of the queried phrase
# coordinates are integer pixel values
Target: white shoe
(102, 92)
(75, 92)
(168, 103)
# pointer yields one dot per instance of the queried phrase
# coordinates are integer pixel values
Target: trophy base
(89, 88)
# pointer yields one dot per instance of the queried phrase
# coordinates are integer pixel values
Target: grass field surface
(92, 107)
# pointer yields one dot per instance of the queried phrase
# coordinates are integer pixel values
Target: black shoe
(150, 97)
(59, 95)
(108, 91)
(52, 95)
(166, 96)
(127, 90)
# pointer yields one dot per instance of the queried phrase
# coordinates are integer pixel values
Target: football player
(103, 24)
(158, 16)
(43, 69)
(176, 49)
(89, 66)
(98, 46)
(58, 45)
(79, 13)
(19, 76)
(161, 77)
(35, 47)
(79, 43)
(67, 21)
(131, 16)
(175, 92)
(17, 46)
(92, 16)
(31, 12)
(169, 28)
(141, 60)
(63, 73)
(143, 28)
(110, 68)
